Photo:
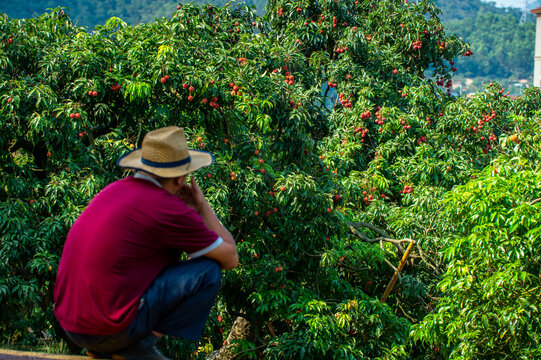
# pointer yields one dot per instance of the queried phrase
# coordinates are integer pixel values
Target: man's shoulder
(131, 182)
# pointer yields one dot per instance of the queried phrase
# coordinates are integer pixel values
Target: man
(120, 284)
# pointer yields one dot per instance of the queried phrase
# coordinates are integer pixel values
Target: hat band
(170, 164)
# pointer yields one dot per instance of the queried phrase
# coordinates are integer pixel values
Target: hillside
(454, 10)
(89, 14)
(503, 47)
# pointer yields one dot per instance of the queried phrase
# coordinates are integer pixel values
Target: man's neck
(148, 177)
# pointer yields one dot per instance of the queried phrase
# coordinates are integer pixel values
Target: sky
(510, 3)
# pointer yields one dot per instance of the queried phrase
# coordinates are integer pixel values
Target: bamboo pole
(395, 276)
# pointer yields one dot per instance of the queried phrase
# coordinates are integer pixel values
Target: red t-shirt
(128, 233)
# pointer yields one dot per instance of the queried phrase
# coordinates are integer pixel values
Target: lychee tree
(335, 134)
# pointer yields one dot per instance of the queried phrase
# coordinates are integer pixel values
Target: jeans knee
(214, 272)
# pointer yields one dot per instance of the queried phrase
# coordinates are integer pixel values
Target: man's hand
(226, 253)
(192, 195)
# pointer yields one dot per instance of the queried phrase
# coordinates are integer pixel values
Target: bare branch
(393, 241)
(369, 226)
(271, 329)
(425, 259)
(361, 236)
(381, 239)
(405, 313)
(395, 269)
(377, 230)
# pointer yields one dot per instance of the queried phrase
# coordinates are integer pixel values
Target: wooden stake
(395, 276)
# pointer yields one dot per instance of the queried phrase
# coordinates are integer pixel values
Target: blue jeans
(177, 303)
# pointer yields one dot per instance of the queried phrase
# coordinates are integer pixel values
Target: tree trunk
(242, 329)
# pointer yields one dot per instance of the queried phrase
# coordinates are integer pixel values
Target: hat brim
(198, 159)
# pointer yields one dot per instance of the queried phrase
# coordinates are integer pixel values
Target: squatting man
(120, 285)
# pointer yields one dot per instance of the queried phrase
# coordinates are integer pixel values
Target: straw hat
(165, 153)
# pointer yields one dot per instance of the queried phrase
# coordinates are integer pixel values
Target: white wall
(537, 67)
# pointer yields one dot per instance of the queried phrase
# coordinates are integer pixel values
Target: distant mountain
(468, 9)
(503, 47)
(91, 13)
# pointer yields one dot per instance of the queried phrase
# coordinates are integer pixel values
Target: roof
(537, 10)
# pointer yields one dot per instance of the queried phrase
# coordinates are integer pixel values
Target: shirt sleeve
(183, 228)
(208, 249)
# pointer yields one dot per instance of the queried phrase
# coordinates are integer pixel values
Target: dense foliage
(336, 141)
(503, 48)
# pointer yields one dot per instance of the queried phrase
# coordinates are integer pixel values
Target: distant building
(537, 58)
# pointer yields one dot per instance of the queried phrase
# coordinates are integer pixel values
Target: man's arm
(225, 254)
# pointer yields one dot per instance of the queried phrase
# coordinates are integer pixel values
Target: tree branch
(425, 259)
(369, 226)
(383, 235)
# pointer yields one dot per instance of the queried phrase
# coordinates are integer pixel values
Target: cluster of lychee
(379, 119)
(213, 102)
(368, 198)
(92, 93)
(290, 79)
(442, 45)
(201, 143)
(344, 101)
(164, 79)
(270, 212)
(235, 89)
(294, 105)
(447, 84)
(404, 126)
(482, 122)
(487, 118)
(417, 45)
(366, 114)
(362, 131)
(407, 189)
(116, 87)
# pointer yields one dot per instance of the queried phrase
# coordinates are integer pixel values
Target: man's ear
(180, 181)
